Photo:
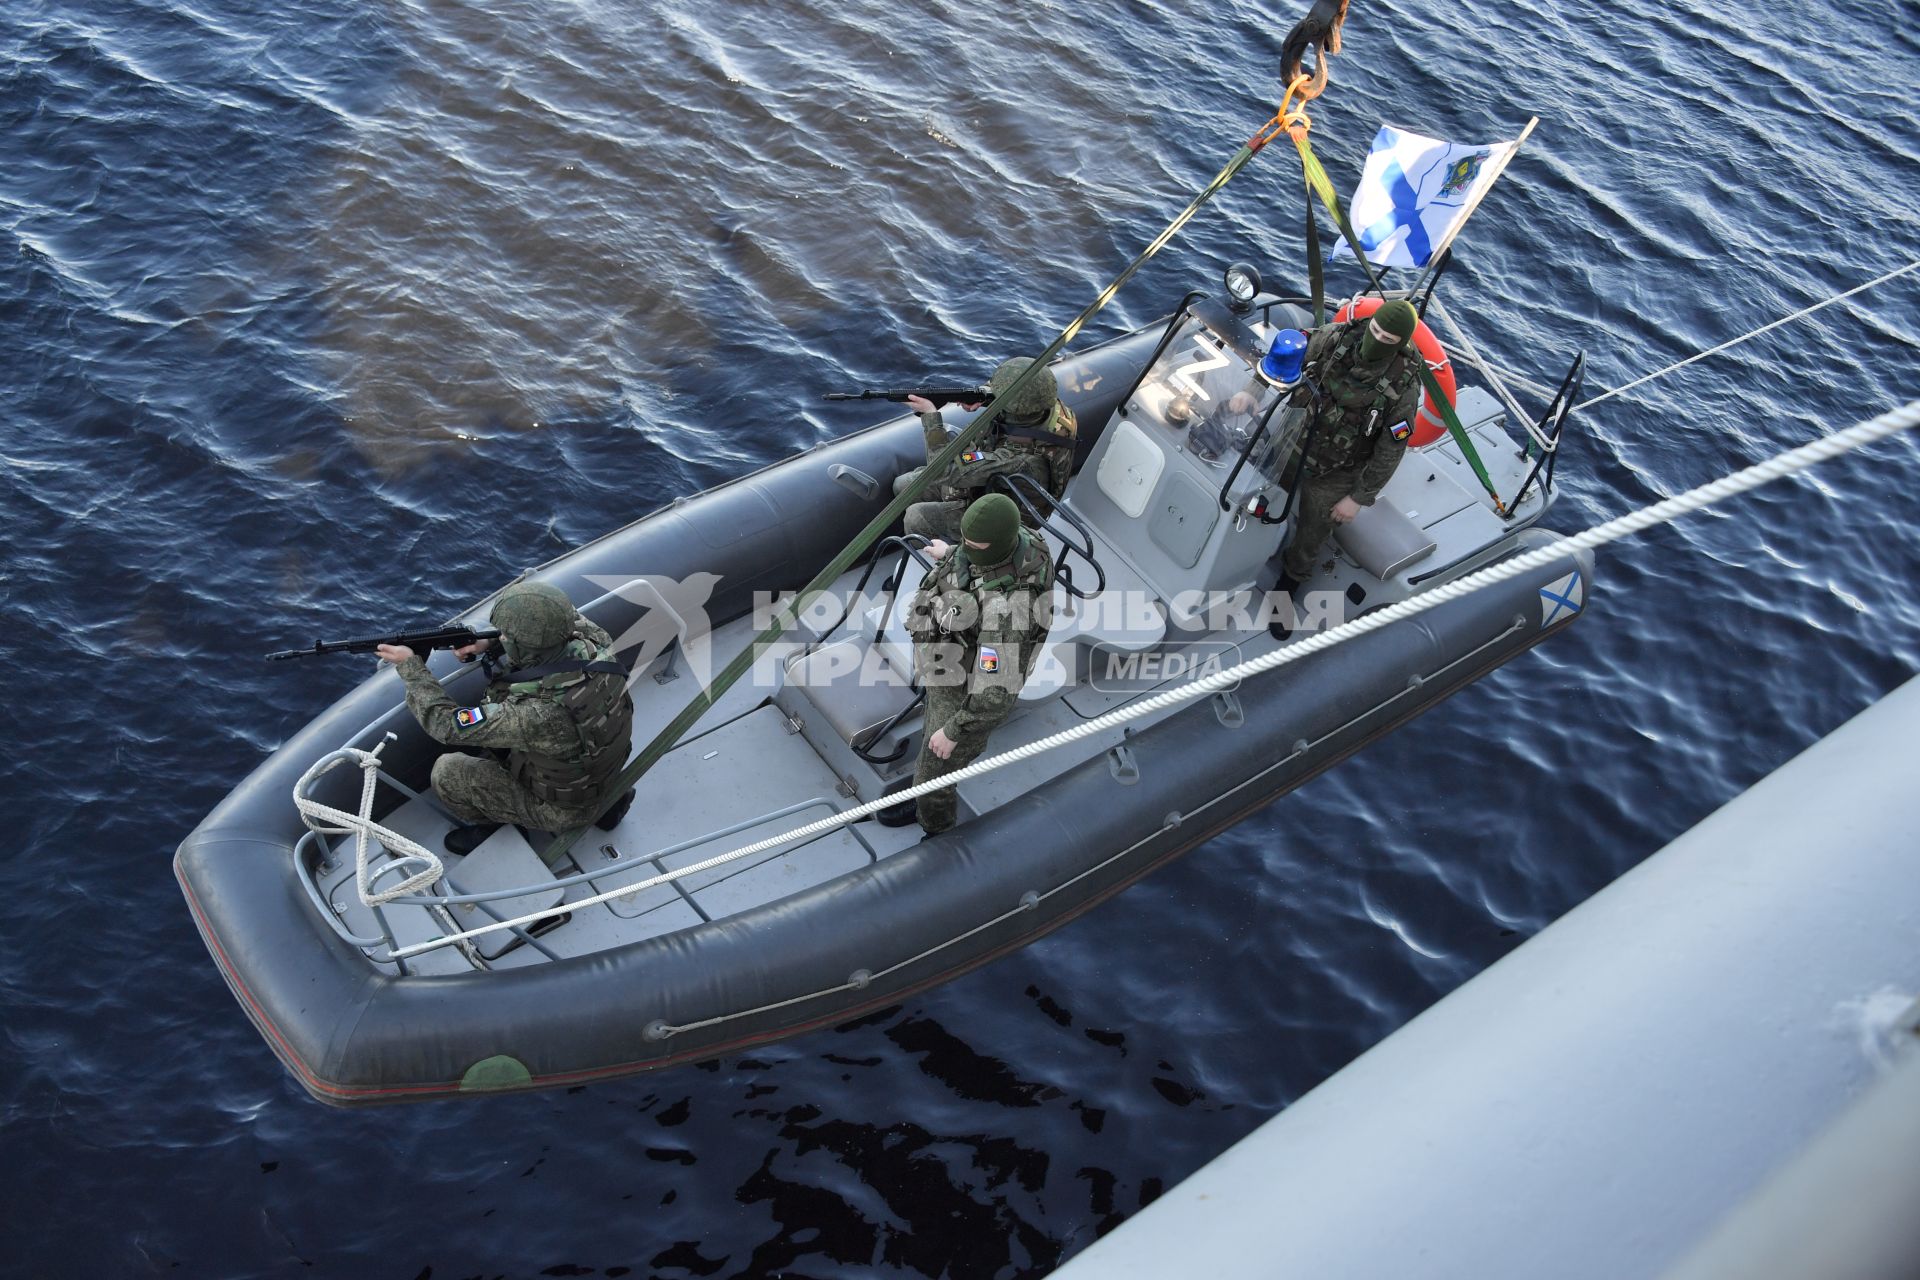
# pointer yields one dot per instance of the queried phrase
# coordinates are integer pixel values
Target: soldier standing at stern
(1032, 436)
(978, 622)
(1370, 388)
(558, 712)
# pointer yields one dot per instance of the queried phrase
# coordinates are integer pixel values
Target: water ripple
(322, 313)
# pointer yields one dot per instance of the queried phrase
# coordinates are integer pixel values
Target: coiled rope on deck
(327, 820)
(1778, 467)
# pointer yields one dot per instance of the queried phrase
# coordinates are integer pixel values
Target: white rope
(364, 829)
(1804, 311)
(1519, 380)
(1785, 464)
(1499, 378)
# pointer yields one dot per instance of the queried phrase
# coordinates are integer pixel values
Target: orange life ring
(1428, 425)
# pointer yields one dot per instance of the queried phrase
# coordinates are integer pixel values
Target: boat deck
(776, 751)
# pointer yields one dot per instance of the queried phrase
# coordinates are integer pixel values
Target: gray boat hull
(354, 1035)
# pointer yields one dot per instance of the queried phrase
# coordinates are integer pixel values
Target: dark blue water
(322, 312)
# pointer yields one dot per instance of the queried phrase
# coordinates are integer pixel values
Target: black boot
(1281, 628)
(464, 840)
(903, 814)
(611, 818)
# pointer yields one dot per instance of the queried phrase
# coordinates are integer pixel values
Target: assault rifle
(940, 396)
(421, 642)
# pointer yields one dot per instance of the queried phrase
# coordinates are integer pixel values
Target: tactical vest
(1343, 439)
(1052, 442)
(602, 714)
(1031, 567)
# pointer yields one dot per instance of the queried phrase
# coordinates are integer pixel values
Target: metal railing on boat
(314, 852)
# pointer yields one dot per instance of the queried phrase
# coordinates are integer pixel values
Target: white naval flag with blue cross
(1414, 190)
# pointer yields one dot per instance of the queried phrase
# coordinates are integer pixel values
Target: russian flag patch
(989, 658)
(467, 717)
(972, 455)
(1403, 431)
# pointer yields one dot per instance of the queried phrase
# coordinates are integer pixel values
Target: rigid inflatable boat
(379, 973)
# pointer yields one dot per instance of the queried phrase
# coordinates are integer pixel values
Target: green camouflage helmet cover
(535, 621)
(1034, 405)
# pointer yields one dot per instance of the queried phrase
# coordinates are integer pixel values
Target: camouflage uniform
(1040, 448)
(564, 736)
(977, 633)
(1347, 460)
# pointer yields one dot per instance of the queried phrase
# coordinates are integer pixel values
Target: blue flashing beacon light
(1282, 362)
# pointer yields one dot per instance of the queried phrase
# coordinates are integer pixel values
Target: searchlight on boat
(1243, 286)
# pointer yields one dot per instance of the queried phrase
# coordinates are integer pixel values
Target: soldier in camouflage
(1032, 436)
(978, 622)
(1370, 388)
(552, 732)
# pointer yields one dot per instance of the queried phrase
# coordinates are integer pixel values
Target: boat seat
(1127, 615)
(894, 646)
(855, 689)
(1383, 541)
(503, 861)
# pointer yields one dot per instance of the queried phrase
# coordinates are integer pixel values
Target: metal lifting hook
(1320, 29)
